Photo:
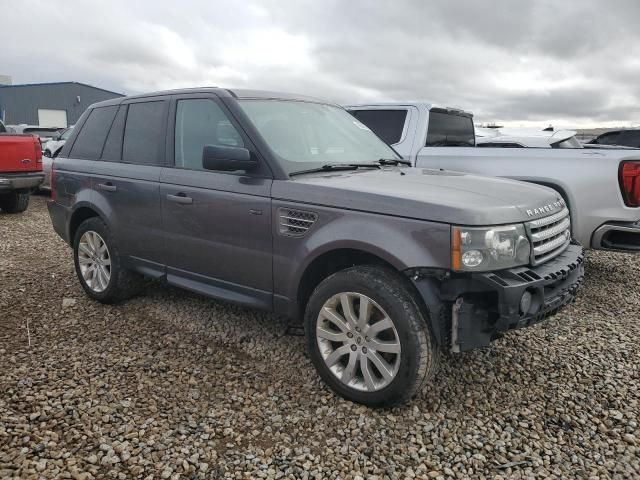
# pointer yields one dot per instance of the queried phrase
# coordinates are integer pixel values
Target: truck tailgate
(20, 153)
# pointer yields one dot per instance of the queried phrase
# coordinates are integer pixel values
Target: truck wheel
(14, 202)
(368, 338)
(99, 266)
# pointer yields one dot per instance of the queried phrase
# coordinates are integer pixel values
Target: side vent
(295, 223)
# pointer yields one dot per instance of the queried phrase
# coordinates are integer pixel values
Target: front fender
(401, 242)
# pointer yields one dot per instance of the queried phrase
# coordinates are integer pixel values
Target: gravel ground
(172, 385)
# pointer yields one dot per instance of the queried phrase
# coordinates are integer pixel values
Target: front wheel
(14, 202)
(99, 265)
(368, 338)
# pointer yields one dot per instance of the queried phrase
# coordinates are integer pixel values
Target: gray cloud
(568, 63)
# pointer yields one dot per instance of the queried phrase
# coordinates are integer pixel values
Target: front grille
(296, 222)
(549, 236)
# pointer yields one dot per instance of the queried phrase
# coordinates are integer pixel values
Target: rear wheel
(99, 266)
(368, 338)
(14, 202)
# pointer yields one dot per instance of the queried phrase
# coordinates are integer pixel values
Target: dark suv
(291, 205)
(628, 137)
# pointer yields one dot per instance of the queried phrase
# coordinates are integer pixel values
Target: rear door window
(144, 139)
(90, 140)
(201, 122)
(387, 124)
(450, 129)
(112, 151)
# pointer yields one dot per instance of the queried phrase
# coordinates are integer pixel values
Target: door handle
(107, 187)
(180, 198)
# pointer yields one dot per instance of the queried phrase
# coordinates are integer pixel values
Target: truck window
(387, 124)
(144, 138)
(450, 129)
(201, 122)
(90, 139)
(112, 151)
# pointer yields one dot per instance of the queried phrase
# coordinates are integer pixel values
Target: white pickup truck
(600, 186)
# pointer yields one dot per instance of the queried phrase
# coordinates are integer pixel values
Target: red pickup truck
(20, 169)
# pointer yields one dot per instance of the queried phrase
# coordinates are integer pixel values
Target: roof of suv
(236, 93)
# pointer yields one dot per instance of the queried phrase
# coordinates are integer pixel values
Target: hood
(426, 194)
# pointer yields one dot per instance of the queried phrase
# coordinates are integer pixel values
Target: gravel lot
(172, 385)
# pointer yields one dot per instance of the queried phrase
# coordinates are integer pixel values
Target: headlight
(481, 249)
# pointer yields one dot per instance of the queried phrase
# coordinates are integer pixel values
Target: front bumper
(20, 181)
(488, 304)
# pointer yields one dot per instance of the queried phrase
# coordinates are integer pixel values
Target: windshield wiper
(393, 161)
(336, 166)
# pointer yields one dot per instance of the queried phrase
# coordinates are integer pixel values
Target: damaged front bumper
(469, 311)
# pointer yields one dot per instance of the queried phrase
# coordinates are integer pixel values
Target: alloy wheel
(94, 261)
(358, 341)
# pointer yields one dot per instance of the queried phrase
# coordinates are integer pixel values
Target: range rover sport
(291, 205)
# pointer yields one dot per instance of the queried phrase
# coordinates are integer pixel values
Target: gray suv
(291, 205)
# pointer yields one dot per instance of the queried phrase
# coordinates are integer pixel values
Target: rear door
(217, 224)
(126, 181)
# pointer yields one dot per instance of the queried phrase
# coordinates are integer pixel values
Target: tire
(387, 294)
(14, 202)
(119, 283)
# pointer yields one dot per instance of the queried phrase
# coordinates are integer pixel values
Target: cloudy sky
(572, 63)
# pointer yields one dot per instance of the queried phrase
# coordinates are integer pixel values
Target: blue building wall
(20, 103)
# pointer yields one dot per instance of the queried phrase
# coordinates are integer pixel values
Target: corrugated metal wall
(20, 103)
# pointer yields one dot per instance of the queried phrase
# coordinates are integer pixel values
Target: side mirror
(57, 152)
(227, 159)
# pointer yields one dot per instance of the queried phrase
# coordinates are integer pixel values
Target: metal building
(58, 104)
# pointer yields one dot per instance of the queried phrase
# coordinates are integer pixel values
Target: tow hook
(455, 312)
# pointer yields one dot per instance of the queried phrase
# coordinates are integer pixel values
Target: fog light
(525, 302)
(472, 258)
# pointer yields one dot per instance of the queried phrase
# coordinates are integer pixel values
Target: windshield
(306, 135)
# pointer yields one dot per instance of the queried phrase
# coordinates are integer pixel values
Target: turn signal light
(630, 183)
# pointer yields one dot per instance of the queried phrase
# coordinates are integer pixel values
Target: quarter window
(143, 134)
(90, 140)
(201, 122)
(387, 124)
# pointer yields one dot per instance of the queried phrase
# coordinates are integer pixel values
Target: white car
(43, 133)
(56, 142)
(520, 137)
(48, 151)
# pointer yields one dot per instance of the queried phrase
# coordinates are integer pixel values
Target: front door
(217, 224)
